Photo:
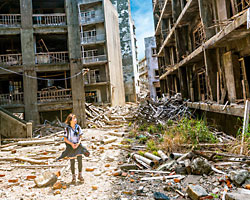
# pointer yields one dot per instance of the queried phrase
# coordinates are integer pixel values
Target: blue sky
(142, 14)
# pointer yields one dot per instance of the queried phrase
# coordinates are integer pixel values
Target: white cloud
(143, 17)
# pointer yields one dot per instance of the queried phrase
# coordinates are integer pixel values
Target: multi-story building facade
(152, 67)
(45, 45)
(128, 49)
(143, 79)
(203, 52)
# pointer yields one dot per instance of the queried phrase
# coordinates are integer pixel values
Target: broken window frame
(199, 36)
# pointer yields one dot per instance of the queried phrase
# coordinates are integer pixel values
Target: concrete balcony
(94, 80)
(11, 59)
(10, 20)
(11, 99)
(52, 58)
(57, 19)
(93, 39)
(94, 59)
(48, 96)
(92, 19)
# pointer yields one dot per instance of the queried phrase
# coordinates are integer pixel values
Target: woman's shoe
(80, 178)
(73, 179)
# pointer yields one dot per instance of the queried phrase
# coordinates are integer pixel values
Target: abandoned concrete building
(152, 66)
(45, 45)
(203, 52)
(143, 78)
(128, 48)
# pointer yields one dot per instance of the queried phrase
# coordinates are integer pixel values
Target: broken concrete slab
(236, 196)
(191, 179)
(195, 192)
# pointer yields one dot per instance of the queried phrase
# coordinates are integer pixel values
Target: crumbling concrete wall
(12, 127)
(114, 54)
(152, 65)
(128, 48)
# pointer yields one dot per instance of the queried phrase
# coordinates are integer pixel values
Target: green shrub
(151, 146)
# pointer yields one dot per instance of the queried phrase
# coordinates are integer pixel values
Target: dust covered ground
(102, 163)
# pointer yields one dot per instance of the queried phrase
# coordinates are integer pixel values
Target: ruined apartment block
(128, 49)
(203, 52)
(55, 40)
(143, 79)
(152, 67)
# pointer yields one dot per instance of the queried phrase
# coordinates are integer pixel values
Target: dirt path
(103, 159)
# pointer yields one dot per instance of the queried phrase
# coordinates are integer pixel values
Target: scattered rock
(89, 169)
(195, 192)
(139, 191)
(47, 178)
(200, 166)
(31, 177)
(160, 196)
(236, 196)
(239, 177)
(94, 187)
(57, 186)
(128, 192)
(57, 192)
(13, 180)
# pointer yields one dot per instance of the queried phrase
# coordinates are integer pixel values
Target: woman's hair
(69, 118)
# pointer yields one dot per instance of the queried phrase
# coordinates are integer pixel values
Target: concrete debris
(195, 192)
(160, 196)
(161, 111)
(239, 177)
(236, 196)
(200, 166)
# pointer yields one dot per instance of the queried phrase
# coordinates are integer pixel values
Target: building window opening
(41, 7)
(11, 90)
(10, 7)
(93, 76)
(242, 5)
(154, 52)
(202, 84)
(91, 96)
(10, 50)
(51, 82)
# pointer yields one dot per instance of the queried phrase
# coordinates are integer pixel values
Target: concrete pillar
(183, 82)
(28, 59)
(206, 14)
(182, 42)
(232, 75)
(176, 9)
(211, 71)
(74, 48)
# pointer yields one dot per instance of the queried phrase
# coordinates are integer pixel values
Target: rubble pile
(160, 111)
(47, 128)
(196, 174)
(109, 117)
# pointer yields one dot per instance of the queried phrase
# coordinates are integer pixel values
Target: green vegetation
(151, 146)
(191, 131)
(152, 129)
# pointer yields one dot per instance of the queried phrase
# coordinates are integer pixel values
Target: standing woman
(74, 148)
